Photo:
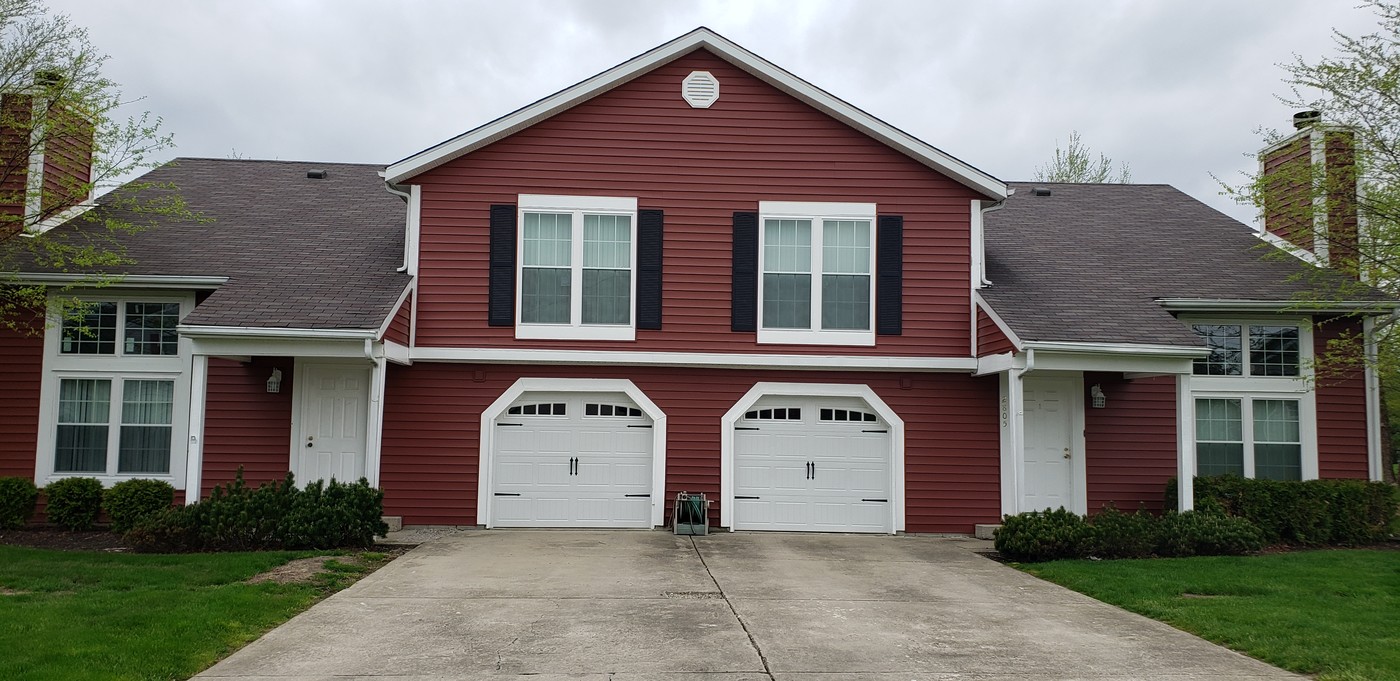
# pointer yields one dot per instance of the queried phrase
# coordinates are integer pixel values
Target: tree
(1076, 163)
(1356, 91)
(56, 105)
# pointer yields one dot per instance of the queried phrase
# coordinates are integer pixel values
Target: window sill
(564, 332)
(804, 337)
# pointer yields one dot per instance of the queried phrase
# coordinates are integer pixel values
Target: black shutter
(743, 310)
(889, 285)
(501, 293)
(650, 225)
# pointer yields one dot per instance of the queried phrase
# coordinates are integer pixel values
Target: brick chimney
(45, 156)
(1310, 189)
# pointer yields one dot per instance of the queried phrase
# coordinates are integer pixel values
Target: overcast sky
(1177, 89)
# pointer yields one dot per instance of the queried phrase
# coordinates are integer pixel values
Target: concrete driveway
(553, 605)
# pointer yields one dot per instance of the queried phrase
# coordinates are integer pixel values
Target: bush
(1042, 535)
(1206, 533)
(17, 499)
(1115, 534)
(1307, 513)
(236, 517)
(131, 500)
(73, 503)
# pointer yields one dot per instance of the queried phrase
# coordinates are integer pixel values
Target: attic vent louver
(700, 89)
(1041, 191)
(316, 174)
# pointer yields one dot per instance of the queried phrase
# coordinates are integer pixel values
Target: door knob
(1066, 452)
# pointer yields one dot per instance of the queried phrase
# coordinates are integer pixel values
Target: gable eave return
(755, 65)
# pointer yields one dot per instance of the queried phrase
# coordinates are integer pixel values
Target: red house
(692, 272)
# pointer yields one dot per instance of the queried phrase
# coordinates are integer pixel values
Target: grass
(1330, 613)
(81, 615)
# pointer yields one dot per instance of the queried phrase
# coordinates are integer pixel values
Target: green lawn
(85, 615)
(1331, 613)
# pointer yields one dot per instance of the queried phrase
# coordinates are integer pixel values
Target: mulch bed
(63, 540)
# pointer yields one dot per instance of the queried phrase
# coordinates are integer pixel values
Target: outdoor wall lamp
(1099, 399)
(274, 382)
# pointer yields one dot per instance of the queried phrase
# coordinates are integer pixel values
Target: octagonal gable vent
(700, 89)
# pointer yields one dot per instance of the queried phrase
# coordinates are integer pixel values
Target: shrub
(17, 499)
(1042, 535)
(1115, 534)
(131, 500)
(236, 517)
(1206, 533)
(73, 503)
(1308, 513)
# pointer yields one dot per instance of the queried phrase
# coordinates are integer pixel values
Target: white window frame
(577, 206)
(117, 368)
(816, 212)
(1248, 388)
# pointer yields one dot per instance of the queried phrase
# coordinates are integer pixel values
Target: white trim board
(982, 304)
(764, 389)
(520, 119)
(692, 359)
(486, 452)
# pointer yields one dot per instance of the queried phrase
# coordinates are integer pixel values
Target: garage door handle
(636, 495)
(874, 431)
(639, 425)
(510, 424)
(744, 428)
(739, 497)
(507, 494)
(883, 501)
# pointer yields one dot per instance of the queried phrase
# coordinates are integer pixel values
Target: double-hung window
(577, 276)
(1254, 410)
(817, 265)
(113, 373)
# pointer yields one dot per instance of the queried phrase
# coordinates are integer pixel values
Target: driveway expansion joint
(763, 659)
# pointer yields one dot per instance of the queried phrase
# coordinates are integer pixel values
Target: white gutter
(264, 332)
(1204, 304)
(408, 201)
(1115, 349)
(143, 280)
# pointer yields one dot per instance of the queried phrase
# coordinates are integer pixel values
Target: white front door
(334, 405)
(1048, 470)
(812, 464)
(572, 460)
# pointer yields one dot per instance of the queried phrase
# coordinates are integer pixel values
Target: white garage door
(572, 460)
(812, 465)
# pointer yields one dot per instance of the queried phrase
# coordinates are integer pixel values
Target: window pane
(1273, 350)
(846, 247)
(1278, 450)
(1219, 437)
(544, 296)
(145, 435)
(147, 402)
(787, 301)
(845, 301)
(150, 328)
(84, 406)
(1224, 343)
(607, 241)
(787, 246)
(607, 296)
(94, 333)
(548, 240)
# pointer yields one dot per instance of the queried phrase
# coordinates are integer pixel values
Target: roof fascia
(1336, 307)
(1155, 350)
(196, 331)
(393, 312)
(731, 52)
(996, 318)
(121, 280)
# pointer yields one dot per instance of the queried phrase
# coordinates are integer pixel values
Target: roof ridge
(276, 160)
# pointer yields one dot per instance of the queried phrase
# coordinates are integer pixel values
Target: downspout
(982, 280)
(1016, 424)
(406, 199)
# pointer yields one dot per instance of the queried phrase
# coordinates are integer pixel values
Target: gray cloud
(1175, 88)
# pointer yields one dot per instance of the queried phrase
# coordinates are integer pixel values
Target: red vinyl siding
(1131, 442)
(699, 166)
(244, 425)
(990, 339)
(21, 370)
(1341, 408)
(399, 325)
(432, 418)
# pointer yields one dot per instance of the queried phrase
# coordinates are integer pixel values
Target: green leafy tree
(56, 102)
(1077, 163)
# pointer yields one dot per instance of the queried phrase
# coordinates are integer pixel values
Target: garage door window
(779, 414)
(848, 415)
(593, 409)
(546, 409)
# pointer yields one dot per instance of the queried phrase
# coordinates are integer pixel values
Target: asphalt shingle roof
(299, 252)
(1089, 262)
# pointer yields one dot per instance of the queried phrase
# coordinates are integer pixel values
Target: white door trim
(299, 395)
(1078, 468)
(486, 454)
(764, 389)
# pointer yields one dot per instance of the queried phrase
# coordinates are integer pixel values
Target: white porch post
(374, 429)
(194, 468)
(1012, 415)
(1185, 444)
(1373, 402)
